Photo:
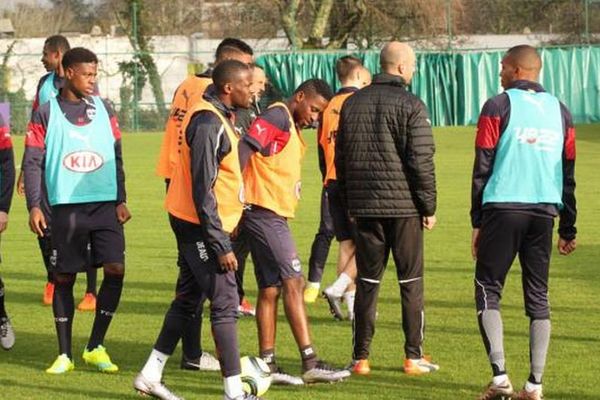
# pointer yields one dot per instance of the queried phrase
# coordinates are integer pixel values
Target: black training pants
(375, 238)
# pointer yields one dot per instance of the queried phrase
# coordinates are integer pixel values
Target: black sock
(309, 357)
(2, 309)
(91, 275)
(268, 356)
(106, 306)
(63, 307)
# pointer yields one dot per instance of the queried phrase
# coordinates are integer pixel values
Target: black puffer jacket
(384, 152)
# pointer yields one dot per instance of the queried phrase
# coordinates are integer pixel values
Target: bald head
(520, 63)
(398, 58)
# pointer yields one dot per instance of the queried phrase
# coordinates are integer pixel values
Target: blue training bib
(80, 160)
(528, 163)
(47, 91)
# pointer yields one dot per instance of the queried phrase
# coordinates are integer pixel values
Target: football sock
(490, 327)
(91, 275)
(530, 387)
(2, 309)
(106, 306)
(340, 285)
(153, 369)
(539, 339)
(269, 357)
(190, 337)
(63, 307)
(349, 299)
(226, 343)
(233, 386)
(309, 358)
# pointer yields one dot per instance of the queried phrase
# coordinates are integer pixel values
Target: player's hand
(123, 214)
(37, 221)
(3, 221)
(228, 262)
(566, 247)
(429, 222)
(474, 243)
(21, 185)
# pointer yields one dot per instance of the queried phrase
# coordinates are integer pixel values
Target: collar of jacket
(388, 79)
(211, 96)
(526, 85)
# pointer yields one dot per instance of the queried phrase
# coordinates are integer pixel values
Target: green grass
(452, 336)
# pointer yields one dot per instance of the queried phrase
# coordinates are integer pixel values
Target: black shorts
(86, 233)
(343, 228)
(273, 250)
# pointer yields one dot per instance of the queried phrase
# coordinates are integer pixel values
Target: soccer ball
(256, 375)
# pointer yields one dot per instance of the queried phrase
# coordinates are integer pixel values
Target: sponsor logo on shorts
(202, 252)
(83, 161)
(296, 265)
(61, 319)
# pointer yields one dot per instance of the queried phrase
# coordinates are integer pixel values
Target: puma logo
(260, 129)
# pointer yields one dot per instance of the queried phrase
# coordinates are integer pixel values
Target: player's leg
(407, 249)
(181, 313)
(88, 303)
(107, 249)
(319, 251)
(499, 238)
(241, 249)
(534, 256)
(372, 251)
(70, 235)
(7, 335)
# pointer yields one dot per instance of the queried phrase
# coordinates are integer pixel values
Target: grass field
(451, 337)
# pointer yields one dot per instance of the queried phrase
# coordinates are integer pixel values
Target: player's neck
(69, 95)
(59, 70)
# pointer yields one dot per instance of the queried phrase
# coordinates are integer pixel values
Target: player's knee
(537, 311)
(115, 269)
(64, 279)
(269, 294)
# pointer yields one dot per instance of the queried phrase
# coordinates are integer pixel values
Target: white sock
(233, 386)
(339, 286)
(155, 365)
(530, 387)
(349, 299)
(500, 379)
(315, 285)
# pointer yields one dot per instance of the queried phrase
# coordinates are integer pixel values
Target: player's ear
(69, 73)
(299, 96)
(227, 88)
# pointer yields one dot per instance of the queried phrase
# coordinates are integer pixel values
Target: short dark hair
(344, 66)
(227, 52)
(226, 72)
(78, 55)
(57, 43)
(315, 87)
(235, 43)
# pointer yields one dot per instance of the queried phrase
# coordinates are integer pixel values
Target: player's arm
(568, 214)
(340, 157)
(208, 144)
(261, 134)
(36, 98)
(123, 214)
(418, 160)
(321, 153)
(7, 172)
(32, 166)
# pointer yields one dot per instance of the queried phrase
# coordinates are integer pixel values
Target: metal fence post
(134, 28)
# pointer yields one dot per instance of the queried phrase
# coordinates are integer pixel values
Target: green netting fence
(455, 85)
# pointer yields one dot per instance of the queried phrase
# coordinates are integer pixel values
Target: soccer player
(353, 77)
(187, 95)
(204, 201)
(7, 182)
(48, 88)
(272, 153)
(386, 177)
(528, 130)
(73, 149)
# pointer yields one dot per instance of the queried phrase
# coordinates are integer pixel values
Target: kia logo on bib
(83, 161)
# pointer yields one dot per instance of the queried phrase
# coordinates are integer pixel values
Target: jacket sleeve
(568, 214)
(488, 134)
(116, 131)
(33, 159)
(208, 144)
(418, 160)
(7, 168)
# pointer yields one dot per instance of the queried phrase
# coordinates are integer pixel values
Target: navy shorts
(343, 228)
(86, 233)
(273, 250)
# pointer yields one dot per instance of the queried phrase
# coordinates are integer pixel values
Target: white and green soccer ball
(256, 375)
